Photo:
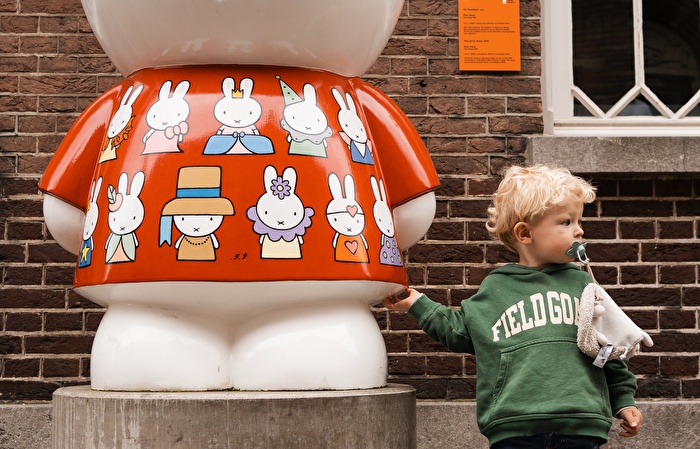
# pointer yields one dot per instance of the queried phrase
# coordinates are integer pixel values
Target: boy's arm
(442, 324)
(622, 386)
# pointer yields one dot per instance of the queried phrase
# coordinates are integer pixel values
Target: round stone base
(364, 419)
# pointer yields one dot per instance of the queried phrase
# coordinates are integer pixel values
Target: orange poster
(489, 35)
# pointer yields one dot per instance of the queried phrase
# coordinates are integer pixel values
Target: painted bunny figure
(92, 212)
(265, 301)
(167, 118)
(279, 216)
(347, 218)
(305, 122)
(238, 113)
(353, 133)
(390, 253)
(126, 213)
(120, 125)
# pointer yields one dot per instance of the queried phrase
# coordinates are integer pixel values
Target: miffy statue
(256, 105)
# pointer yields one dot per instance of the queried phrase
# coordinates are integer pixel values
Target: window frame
(559, 90)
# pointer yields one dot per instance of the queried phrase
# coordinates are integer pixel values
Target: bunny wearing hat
(198, 210)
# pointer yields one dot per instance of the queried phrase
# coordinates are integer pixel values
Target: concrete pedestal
(382, 418)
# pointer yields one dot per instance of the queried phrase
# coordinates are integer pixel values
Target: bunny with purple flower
(279, 216)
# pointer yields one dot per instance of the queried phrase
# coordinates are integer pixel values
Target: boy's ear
(522, 233)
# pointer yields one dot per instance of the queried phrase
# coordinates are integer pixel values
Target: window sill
(617, 154)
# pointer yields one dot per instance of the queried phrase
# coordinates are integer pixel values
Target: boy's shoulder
(515, 276)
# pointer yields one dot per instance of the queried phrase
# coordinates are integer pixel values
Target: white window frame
(559, 90)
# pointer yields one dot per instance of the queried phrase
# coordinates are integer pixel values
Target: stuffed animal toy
(605, 332)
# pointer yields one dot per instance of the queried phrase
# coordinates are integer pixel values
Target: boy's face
(552, 235)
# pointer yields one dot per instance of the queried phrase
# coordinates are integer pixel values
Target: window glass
(603, 45)
(672, 50)
(660, 79)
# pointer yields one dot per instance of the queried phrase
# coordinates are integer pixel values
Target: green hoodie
(531, 377)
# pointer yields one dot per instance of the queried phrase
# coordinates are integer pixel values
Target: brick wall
(643, 230)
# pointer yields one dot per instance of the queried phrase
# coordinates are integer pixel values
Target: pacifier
(578, 251)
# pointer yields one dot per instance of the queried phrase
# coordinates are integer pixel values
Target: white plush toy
(605, 332)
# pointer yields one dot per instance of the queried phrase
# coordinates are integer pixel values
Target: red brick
(53, 7)
(636, 188)
(59, 24)
(445, 365)
(38, 44)
(19, 24)
(638, 274)
(677, 319)
(59, 321)
(57, 104)
(396, 342)
(676, 229)
(425, 388)
(61, 368)
(443, 27)
(60, 275)
(57, 344)
(644, 364)
(452, 144)
(658, 388)
(516, 124)
(432, 8)
(443, 66)
(37, 124)
(691, 388)
(26, 390)
(31, 298)
(22, 275)
(23, 322)
(58, 64)
(677, 274)
(15, 368)
(447, 105)
(447, 253)
(9, 5)
(81, 44)
(411, 365)
(461, 388)
(10, 344)
(58, 84)
(95, 64)
(486, 105)
(7, 123)
(409, 66)
(524, 105)
(679, 366)
(12, 253)
(688, 208)
(24, 230)
(446, 231)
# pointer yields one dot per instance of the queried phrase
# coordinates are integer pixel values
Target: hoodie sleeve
(443, 324)
(622, 385)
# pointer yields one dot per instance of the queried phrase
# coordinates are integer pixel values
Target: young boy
(535, 388)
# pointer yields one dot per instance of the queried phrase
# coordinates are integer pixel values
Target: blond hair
(527, 193)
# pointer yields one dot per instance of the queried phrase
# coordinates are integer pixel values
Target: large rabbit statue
(242, 197)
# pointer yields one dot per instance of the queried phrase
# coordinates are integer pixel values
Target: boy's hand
(401, 305)
(631, 422)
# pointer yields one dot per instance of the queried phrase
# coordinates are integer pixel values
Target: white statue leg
(139, 347)
(330, 345)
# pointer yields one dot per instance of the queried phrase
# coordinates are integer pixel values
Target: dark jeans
(549, 441)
